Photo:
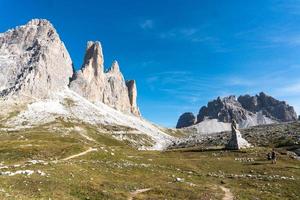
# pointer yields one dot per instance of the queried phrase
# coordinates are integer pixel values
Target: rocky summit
(246, 110)
(110, 87)
(186, 119)
(34, 63)
(269, 106)
(39, 86)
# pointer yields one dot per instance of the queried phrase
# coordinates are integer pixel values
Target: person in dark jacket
(273, 156)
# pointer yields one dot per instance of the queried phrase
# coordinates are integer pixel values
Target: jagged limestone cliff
(33, 61)
(93, 83)
(38, 86)
(246, 110)
(34, 64)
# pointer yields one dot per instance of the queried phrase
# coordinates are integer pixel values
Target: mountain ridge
(35, 62)
(40, 87)
(246, 110)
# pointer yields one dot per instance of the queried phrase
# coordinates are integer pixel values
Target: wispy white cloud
(295, 103)
(190, 89)
(238, 81)
(291, 7)
(188, 31)
(183, 85)
(271, 36)
(290, 89)
(282, 84)
(194, 35)
(282, 37)
(147, 24)
(190, 34)
(168, 35)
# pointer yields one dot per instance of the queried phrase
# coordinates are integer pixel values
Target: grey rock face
(270, 107)
(246, 107)
(224, 109)
(108, 87)
(33, 61)
(185, 120)
(247, 110)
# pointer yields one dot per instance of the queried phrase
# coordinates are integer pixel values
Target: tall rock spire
(114, 67)
(93, 64)
(132, 94)
(34, 63)
(108, 87)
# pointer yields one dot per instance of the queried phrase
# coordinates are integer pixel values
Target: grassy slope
(116, 170)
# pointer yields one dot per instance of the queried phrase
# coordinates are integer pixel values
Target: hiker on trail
(273, 156)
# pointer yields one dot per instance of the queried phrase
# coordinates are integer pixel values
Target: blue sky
(182, 53)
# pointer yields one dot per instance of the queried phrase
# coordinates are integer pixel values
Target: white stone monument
(236, 141)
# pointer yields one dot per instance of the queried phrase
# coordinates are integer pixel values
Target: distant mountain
(38, 85)
(246, 110)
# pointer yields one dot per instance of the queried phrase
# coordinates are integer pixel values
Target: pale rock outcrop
(34, 64)
(132, 92)
(208, 126)
(236, 141)
(93, 64)
(33, 61)
(108, 87)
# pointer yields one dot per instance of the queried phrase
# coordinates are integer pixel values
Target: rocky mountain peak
(269, 106)
(108, 87)
(186, 119)
(223, 109)
(39, 22)
(93, 64)
(246, 110)
(33, 61)
(114, 67)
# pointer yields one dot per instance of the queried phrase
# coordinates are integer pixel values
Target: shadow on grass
(212, 149)
(292, 167)
(259, 163)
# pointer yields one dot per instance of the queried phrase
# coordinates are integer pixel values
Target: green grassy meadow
(117, 171)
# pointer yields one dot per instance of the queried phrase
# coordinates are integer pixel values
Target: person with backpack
(273, 156)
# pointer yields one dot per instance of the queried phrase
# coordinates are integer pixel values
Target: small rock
(179, 179)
